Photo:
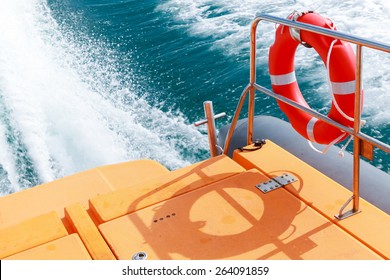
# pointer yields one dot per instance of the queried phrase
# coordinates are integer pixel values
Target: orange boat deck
(208, 210)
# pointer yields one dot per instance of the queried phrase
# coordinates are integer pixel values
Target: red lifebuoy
(341, 70)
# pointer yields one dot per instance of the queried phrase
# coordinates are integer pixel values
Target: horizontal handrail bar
(303, 108)
(217, 116)
(327, 32)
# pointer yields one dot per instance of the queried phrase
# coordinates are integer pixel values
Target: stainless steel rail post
(235, 119)
(252, 82)
(211, 131)
(209, 114)
(356, 129)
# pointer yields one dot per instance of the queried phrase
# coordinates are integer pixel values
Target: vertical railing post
(356, 129)
(211, 130)
(235, 120)
(212, 134)
(356, 141)
(252, 81)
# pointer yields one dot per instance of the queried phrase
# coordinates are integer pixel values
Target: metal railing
(211, 130)
(361, 140)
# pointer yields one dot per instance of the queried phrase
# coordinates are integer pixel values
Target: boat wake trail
(66, 108)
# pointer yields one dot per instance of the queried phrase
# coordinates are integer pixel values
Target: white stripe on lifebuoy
(310, 129)
(285, 79)
(344, 88)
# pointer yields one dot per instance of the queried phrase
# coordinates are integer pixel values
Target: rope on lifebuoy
(345, 87)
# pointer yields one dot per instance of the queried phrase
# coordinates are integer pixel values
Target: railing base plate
(347, 214)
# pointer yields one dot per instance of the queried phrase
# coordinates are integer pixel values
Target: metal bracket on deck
(276, 182)
(343, 215)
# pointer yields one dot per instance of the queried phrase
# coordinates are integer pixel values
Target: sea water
(85, 83)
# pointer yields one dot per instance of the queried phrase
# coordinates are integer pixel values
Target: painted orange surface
(67, 248)
(78, 188)
(88, 232)
(232, 219)
(371, 226)
(123, 175)
(208, 210)
(31, 233)
(123, 201)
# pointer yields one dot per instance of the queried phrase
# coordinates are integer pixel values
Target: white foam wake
(65, 101)
(10, 182)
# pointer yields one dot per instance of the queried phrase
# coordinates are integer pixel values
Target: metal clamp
(295, 32)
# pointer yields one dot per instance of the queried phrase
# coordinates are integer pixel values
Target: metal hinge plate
(276, 182)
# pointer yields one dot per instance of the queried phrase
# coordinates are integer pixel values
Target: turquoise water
(91, 82)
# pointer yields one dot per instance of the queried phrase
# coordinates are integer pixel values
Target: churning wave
(71, 101)
(66, 107)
